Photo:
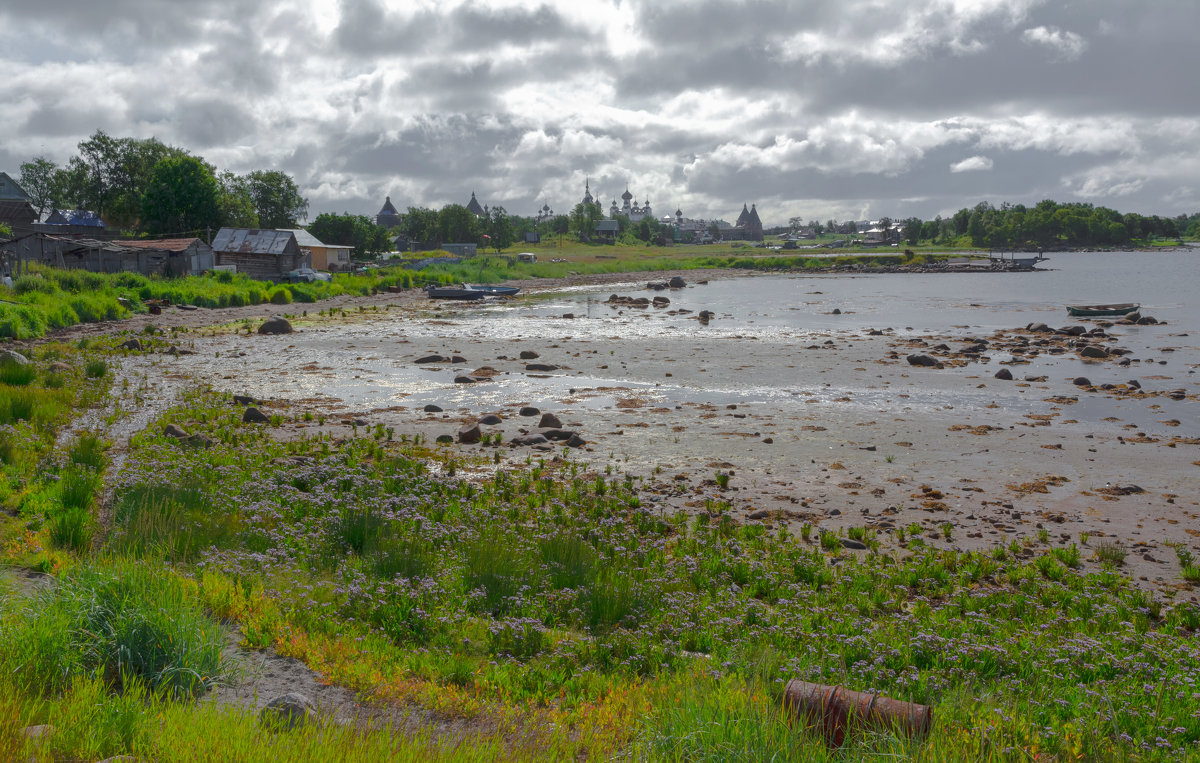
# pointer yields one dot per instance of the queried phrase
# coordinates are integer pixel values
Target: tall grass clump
(122, 624)
(171, 521)
(16, 374)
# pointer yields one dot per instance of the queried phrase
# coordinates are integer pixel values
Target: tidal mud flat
(797, 411)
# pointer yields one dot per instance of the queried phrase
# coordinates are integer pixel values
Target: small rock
(470, 434)
(37, 732)
(1092, 351)
(540, 367)
(464, 379)
(1146, 320)
(172, 430)
(529, 355)
(131, 344)
(12, 356)
(276, 325)
(676, 282)
(431, 408)
(254, 416)
(243, 399)
(549, 421)
(529, 439)
(575, 441)
(1004, 374)
(853, 544)
(490, 420)
(431, 359)
(1081, 381)
(836, 311)
(288, 711)
(760, 514)
(457, 359)
(445, 439)
(529, 410)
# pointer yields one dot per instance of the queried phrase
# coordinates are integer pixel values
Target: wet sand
(836, 431)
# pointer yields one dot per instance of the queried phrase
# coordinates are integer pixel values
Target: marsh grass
(169, 521)
(122, 624)
(1111, 552)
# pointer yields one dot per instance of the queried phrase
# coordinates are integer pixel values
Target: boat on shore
(453, 292)
(1086, 311)
(493, 290)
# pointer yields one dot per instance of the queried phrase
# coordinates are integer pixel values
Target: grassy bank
(552, 614)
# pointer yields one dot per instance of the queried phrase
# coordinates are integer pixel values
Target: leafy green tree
(584, 218)
(38, 181)
(277, 199)
(180, 197)
(5, 230)
(456, 224)
(356, 231)
(499, 228)
(237, 208)
(420, 224)
(912, 230)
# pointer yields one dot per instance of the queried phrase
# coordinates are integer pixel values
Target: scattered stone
(288, 711)
(549, 421)
(276, 325)
(676, 282)
(254, 416)
(706, 315)
(1004, 374)
(490, 420)
(37, 732)
(58, 367)
(661, 302)
(529, 439)
(431, 359)
(469, 434)
(243, 400)
(529, 410)
(1092, 351)
(1038, 328)
(173, 430)
(530, 354)
(431, 408)
(457, 359)
(131, 344)
(12, 356)
(1146, 320)
(768, 440)
(444, 439)
(836, 311)
(924, 361)
(575, 441)
(853, 544)
(760, 514)
(1081, 381)
(464, 379)
(540, 367)
(1073, 330)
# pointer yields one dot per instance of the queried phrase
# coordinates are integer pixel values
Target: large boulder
(1094, 352)
(288, 711)
(470, 434)
(676, 282)
(549, 421)
(254, 416)
(15, 358)
(276, 324)
(529, 355)
(490, 419)
(924, 361)
(431, 408)
(529, 410)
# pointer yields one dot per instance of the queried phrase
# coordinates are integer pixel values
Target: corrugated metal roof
(166, 244)
(252, 241)
(304, 238)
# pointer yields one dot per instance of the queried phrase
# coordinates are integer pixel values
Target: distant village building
(747, 228)
(166, 257)
(266, 255)
(388, 217)
(607, 230)
(332, 257)
(630, 208)
(474, 208)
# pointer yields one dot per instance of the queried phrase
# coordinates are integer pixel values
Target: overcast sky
(814, 108)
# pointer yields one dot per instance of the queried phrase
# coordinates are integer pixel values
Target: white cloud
(1066, 45)
(972, 164)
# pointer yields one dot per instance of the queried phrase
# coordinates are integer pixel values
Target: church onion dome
(679, 213)
(627, 195)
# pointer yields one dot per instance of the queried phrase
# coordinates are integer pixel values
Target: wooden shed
(267, 255)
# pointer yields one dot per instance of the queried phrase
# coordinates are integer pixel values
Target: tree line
(1047, 225)
(143, 186)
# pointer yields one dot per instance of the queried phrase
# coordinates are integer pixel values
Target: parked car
(306, 275)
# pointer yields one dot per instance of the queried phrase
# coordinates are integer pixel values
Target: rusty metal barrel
(836, 711)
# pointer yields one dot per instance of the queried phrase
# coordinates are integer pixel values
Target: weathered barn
(15, 209)
(186, 256)
(263, 254)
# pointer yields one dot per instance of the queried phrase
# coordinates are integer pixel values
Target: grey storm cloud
(827, 108)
